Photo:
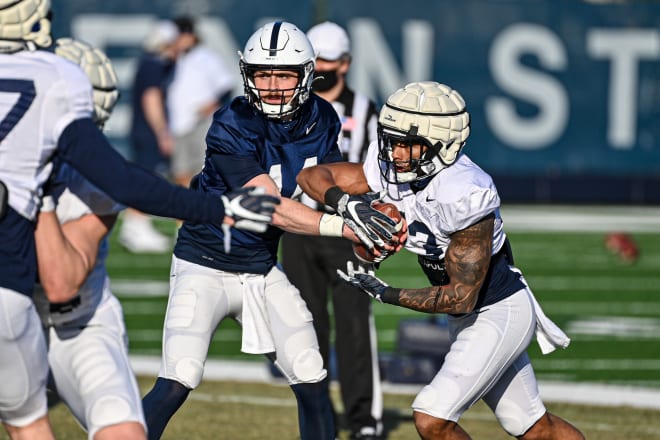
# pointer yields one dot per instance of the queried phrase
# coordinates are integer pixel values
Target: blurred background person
(201, 83)
(311, 262)
(151, 138)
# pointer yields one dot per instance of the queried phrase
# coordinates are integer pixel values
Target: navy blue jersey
(242, 144)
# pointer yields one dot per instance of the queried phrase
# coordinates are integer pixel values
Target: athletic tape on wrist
(331, 226)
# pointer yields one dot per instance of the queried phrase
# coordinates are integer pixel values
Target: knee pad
(308, 366)
(110, 410)
(189, 372)
(513, 419)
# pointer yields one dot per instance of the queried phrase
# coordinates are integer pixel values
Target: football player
(452, 210)
(85, 335)
(263, 138)
(46, 113)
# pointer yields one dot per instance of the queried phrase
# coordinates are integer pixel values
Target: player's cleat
(366, 433)
(623, 246)
(138, 236)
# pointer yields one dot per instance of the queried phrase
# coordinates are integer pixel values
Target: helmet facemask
(421, 164)
(286, 107)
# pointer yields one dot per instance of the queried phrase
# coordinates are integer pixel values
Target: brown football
(361, 251)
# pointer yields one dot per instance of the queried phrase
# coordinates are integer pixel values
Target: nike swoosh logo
(309, 129)
(428, 199)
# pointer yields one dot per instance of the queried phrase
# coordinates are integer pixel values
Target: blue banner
(556, 89)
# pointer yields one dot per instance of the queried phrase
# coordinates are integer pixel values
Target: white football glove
(371, 226)
(364, 279)
(251, 208)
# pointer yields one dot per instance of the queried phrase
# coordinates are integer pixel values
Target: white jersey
(78, 199)
(455, 198)
(40, 95)
(200, 77)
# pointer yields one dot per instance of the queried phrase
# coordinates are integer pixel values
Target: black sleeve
(85, 148)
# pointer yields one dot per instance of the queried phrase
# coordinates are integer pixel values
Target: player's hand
(364, 279)
(250, 208)
(372, 227)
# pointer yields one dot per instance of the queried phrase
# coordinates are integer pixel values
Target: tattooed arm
(467, 260)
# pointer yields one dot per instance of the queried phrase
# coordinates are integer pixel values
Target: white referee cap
(329, 40)
(161, 34)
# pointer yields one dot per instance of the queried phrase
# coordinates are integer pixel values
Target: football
(362, 253)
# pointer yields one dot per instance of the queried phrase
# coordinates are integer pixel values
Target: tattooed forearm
(467, 260)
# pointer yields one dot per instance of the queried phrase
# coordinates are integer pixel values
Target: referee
(311, 262)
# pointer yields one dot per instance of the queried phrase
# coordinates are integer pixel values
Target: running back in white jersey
(40, 95)
(455, 198)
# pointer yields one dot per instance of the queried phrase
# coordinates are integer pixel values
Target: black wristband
(332, 196)
(391, 296)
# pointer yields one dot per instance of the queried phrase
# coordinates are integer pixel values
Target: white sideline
(551, 391)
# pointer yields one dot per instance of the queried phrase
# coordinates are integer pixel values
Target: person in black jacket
(311, 262)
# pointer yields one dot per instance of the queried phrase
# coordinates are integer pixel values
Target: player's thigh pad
(200, 298)
(92, 372)
(297, 349)
(515, 398)
(23, 361)
(484, 345)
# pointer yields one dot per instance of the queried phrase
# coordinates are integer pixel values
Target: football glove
(365, 280)
(371, 226)
(251, 208)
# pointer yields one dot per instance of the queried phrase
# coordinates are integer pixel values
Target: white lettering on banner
(375, 70)
(544, 91)
(374, 64)
(625, 48)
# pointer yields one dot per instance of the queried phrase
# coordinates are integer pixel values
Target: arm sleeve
(236, 170)
(84, 147)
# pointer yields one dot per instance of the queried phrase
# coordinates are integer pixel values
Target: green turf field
(610, 309)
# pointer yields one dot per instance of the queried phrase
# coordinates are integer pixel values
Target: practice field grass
(249, 411)
(610, 309)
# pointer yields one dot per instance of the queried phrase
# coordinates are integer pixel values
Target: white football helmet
(99, 70)
(278, 46)
(426, 113)
(23, 24)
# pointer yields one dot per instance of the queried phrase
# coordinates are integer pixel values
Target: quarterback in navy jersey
(455, 228)
(264, 138)
(242, 144)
